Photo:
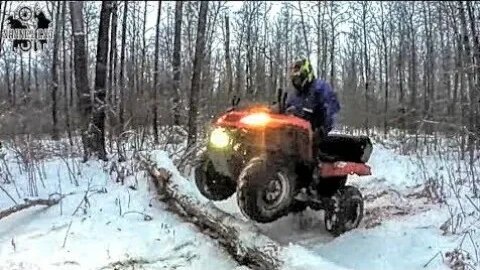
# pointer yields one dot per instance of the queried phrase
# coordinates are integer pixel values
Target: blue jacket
(319, 104)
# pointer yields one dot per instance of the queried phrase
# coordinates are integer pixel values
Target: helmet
(301, 74)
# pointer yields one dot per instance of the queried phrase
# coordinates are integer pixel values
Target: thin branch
(30, 203)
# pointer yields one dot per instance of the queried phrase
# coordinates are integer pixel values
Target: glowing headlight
(219, 138)
(256, 119)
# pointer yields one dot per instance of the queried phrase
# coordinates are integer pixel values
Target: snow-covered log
(242, 241)
(29, 203)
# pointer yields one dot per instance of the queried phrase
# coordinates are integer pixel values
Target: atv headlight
(219, 138)
(256, 119)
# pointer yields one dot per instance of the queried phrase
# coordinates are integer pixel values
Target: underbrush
(447, 177)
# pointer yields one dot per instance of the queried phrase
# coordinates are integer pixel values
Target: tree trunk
(458, 77)
(132, 65)
(324, 53)
(54, 84)
(287, 47)
(144, 50)
(238, 66)
(156, 72)
(305, 36)
(385, 55)
(332, 48)
(476, 44)
(7, 75)
(81, 74)
(249, 62)
(29, 81)
(366, 64)
(98, 116)
(320, 38)
(177, 45)
(111, 89)
(64, 77)
(122, 69)
(2, 23)
(113, 57)
(228, 61)
(472, 92)
(72, 73)
(413, 70)
(197, 70)
(22, 77)
(14, 88)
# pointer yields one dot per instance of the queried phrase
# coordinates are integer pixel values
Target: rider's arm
(290, 103)
(320, 109)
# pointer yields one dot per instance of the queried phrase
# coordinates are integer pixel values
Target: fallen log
(29, 203)
(218, 224)
(240, 239)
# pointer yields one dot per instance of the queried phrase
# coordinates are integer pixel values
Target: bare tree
(304, 28)
(64, 75)
(407, 65)
(228, 60)
(156, 74)
(112, 74)
(2, 22)
(476, 53)
(122, 68)
(98, 114)
(113, 56)
(197, 70)
(54, 84)
(176, 61)
(81, 75)
(144, 48)
(366, 59)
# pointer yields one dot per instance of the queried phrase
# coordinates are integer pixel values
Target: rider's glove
(290, 110)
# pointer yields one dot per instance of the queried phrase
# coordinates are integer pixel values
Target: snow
(105, 231)
(393, 245)
(408, 235)
(402, 229)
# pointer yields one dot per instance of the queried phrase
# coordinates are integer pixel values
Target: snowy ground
(114, 224)
(402, 228)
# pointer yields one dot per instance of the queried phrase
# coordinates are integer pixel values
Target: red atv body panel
(340, 168)
(232, 119)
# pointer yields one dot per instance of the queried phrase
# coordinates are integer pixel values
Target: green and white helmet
(301, 74)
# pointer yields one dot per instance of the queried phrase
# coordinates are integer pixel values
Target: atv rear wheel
(211, 184)
(265, 191)
(345, 212)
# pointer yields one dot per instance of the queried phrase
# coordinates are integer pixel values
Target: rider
(313, 99)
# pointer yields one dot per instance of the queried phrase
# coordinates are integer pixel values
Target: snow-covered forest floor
(420, 214)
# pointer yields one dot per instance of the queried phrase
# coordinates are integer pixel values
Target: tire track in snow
(382, 203)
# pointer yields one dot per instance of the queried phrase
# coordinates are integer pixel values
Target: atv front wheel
(211, 184)
(265, 192)
(345, 212)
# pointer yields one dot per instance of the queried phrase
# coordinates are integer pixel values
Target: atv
(267, 158)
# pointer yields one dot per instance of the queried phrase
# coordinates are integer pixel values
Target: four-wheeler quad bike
(267, 159)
